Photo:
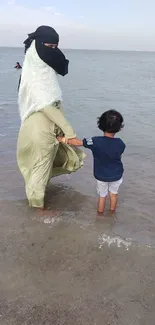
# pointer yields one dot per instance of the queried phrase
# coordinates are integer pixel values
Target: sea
(97, 81)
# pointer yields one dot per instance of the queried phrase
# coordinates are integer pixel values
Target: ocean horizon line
(86, 49)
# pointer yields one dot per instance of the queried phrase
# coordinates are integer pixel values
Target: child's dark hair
(110, 121)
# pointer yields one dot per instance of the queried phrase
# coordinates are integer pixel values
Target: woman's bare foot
(47, 213)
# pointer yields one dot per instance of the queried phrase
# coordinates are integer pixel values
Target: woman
(39, 154)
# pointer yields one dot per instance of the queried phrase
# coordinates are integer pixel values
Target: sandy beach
(64, 270)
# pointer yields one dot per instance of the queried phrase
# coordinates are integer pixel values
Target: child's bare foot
(113, 202)
(101, 205)
(100, 214)
(111, 213)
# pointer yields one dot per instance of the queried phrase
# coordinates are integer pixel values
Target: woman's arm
(57, 117)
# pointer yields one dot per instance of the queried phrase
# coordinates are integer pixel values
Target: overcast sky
(90, 24)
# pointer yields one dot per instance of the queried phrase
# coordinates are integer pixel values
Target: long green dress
(40, 156)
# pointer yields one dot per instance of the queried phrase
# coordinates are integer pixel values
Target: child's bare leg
(113, 202)
(101, 204)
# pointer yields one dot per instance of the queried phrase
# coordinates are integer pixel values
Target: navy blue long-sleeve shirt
(107, 154)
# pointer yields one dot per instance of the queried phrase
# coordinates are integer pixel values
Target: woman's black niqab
(51, 56)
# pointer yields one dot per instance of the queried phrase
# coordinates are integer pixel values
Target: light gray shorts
(103, 188)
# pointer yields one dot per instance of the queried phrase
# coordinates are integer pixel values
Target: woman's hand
(62, 140)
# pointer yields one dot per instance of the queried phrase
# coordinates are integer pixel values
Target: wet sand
(71, 269)
(74, 268)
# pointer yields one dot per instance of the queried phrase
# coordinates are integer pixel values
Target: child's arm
(74, 142)
(87, 143)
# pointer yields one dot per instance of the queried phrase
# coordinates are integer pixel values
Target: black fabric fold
(51, 56)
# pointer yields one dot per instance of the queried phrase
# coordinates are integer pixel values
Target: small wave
(118, 241)
(52, 221)
(3, 135)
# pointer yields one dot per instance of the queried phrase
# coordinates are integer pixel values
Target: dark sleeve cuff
(84, 143)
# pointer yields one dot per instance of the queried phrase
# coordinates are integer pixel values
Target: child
(107, 151)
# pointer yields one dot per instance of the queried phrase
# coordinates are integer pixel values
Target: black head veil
(51, 56)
